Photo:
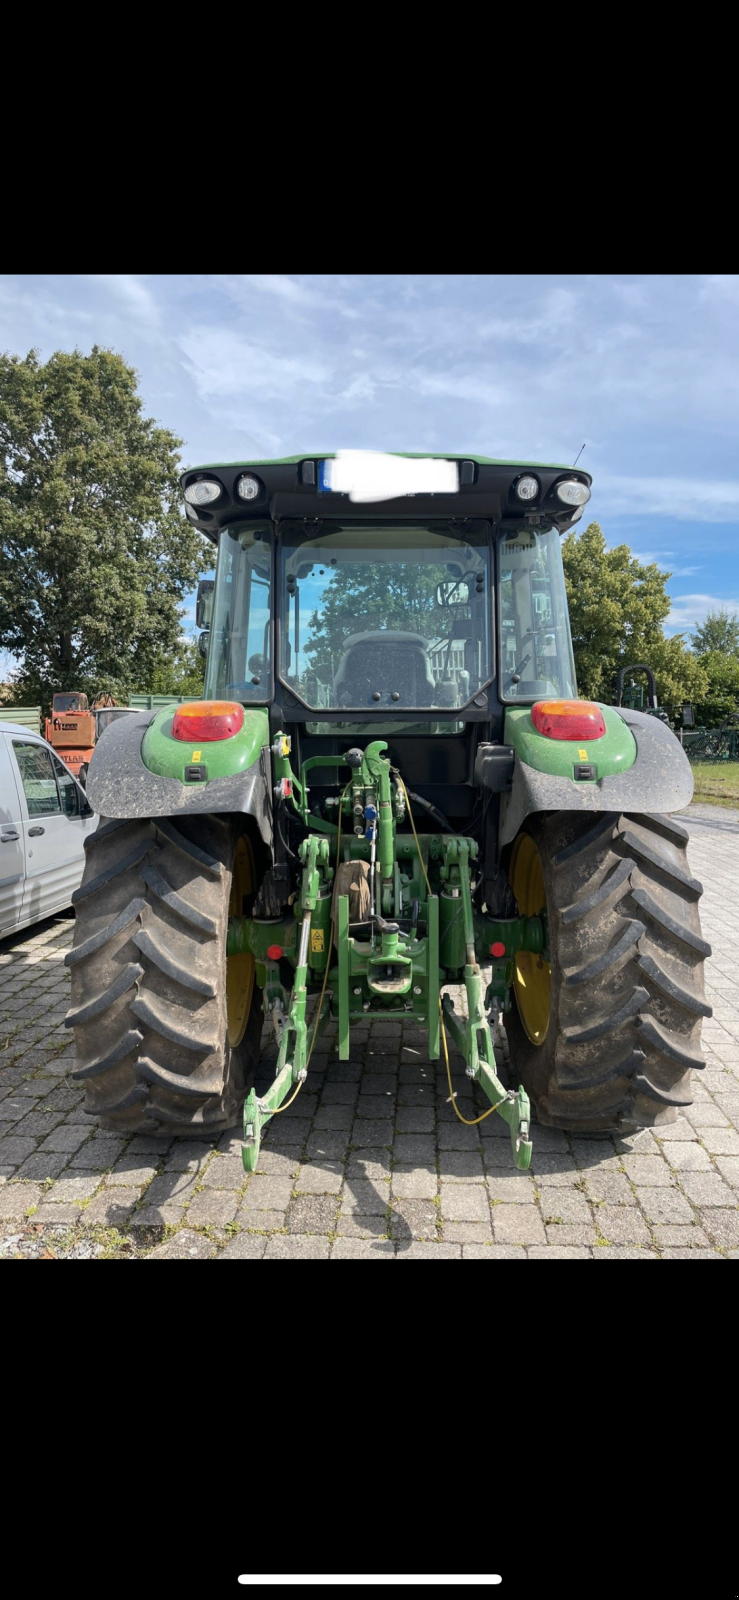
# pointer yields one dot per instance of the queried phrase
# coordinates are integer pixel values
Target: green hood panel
(614, 752)
(222, 758)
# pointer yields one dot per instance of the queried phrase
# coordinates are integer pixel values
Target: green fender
(639, 765)
(138, 770)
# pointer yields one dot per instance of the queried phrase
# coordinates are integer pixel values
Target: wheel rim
(240, 968)
(532, 978)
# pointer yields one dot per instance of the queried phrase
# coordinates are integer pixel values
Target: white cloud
(690, 610)
(125, 286)
(692, 499)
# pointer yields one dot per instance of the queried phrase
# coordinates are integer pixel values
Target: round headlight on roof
(573, 492)
(527, 487)
(203, 493)
(247, 486)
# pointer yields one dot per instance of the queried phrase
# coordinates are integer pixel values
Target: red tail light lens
(568, 719)
(204, 720)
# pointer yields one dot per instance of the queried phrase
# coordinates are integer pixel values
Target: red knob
(497, 949)
(274, 951)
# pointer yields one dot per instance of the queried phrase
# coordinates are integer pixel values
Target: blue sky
(642, 369)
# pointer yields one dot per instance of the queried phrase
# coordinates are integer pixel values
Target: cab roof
(293, 488)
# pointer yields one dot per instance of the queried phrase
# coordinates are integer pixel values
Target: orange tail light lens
(568, 719)
(207, 719)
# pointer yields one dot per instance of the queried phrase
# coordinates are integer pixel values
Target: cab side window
(70, 794)
(37, 777)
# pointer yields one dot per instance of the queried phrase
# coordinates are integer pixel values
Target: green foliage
(720, 631)
(360, 597)
(617, 610)
(181, 671)
(95, 554)
(721, 698)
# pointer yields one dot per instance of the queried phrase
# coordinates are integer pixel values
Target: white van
(45, 818)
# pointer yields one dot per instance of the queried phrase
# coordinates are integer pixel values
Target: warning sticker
(316, 939)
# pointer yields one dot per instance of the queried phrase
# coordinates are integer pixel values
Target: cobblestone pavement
(370, 1163)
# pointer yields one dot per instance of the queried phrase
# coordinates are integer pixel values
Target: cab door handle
(8, 834)
(34, 832)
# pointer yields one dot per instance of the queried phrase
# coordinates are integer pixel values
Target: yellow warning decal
(583, 755)
(197, 755)
(316, 939)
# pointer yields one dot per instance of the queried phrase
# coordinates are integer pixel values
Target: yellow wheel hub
(532, 978)
(239, 969)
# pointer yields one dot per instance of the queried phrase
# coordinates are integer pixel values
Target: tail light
(207, 719)
(568, 719)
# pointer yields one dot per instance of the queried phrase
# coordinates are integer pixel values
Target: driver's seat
(384, 662)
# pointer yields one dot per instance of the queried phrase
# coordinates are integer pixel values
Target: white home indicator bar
(369, 1577)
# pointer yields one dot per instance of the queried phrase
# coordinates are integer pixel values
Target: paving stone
(515, 1187)
(362, 1250)
(313, 1214)
(16, 1198)
(704, 1114)
(671, 1131)
(297, 1247)
(514, 1224)
(268, 1194)
(686, 1157)
(68, 1214)
(721, 1141)
(224, 1172)
(414, 1219)
(454, 1136)
(464, 1202)
(622, 1225)
(373, 1165)
(559, 1252)
(361, 1225)
(721, 1226)
(670, 1235)
(613, 1187)
(468, 1232)
(212, 1208)
(320, 1177)
(169, 1189)
(366, 1134)
(707, 1189)
(327, 1146)
(567, 1205)
(367, 1196)
(184, 1246)
(187, 1155)
(493, 1252)
(728, 1166)
(261, 1221)
(40, 1123)
(430, 1252)
(279, 1163)
(99, 1154)
(130, 1170)
(664, 1205)
(415, 1183)
(246, 1247)
(415, 1148)
(110, 1209)
(334, 1118)
(44, 1164)
(414, 1119)
(76, 1187)
(13, 1151)
(616, 1252)
(648, 1170)
(575, 1233)
(691, 1255)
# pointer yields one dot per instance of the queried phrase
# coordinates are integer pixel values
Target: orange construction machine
(74, 728)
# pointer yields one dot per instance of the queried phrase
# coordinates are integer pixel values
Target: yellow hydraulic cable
(469, 1122)
(294, 1096)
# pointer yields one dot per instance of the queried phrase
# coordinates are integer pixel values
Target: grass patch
(716, 782)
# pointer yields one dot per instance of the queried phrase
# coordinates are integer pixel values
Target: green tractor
(389, 788)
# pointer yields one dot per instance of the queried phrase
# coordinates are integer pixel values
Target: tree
(364, 596)
(720, 631)
(95, 554)
(721, 700)
(181, 672)
(617, 609)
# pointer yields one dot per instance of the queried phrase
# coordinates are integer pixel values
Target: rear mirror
(453, 593)
(203, 639)
(204, 603)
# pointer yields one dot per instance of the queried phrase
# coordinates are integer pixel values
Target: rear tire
(626, 988)
(164, 1039)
